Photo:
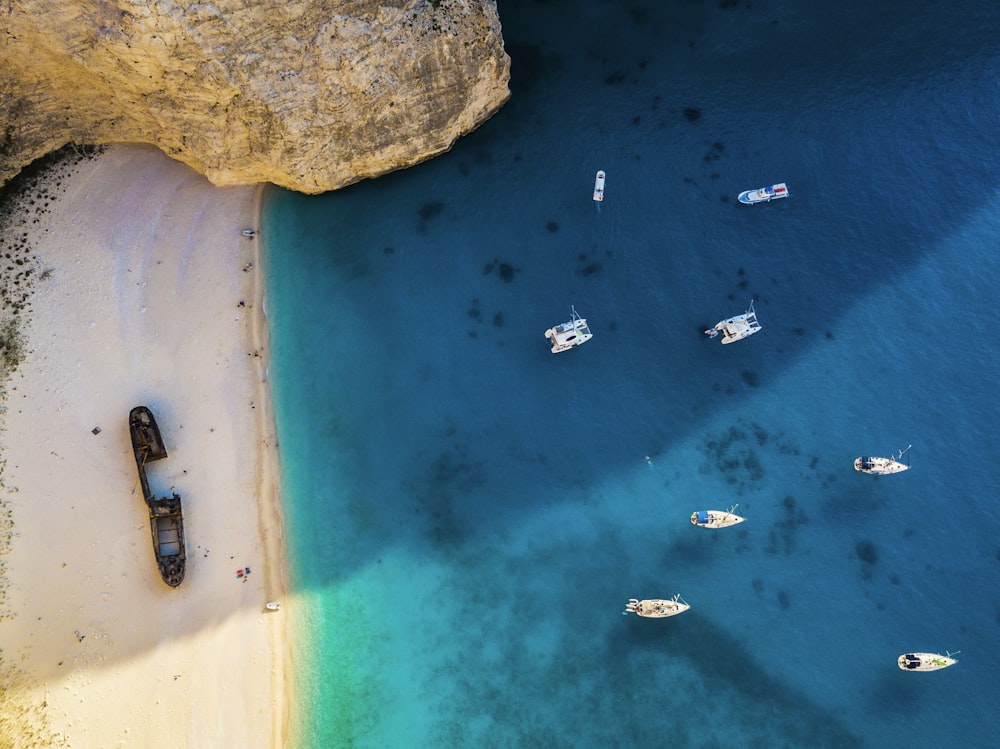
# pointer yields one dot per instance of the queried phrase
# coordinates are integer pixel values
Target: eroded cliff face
(308, 94)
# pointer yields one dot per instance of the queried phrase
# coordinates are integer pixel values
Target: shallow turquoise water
(467, 513)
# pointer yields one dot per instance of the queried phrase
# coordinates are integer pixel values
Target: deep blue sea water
(467, 514)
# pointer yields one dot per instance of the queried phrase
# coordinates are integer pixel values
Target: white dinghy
(656, 608)
(569, 334)
(599, 186)
(716, 518)
(926, 661)
(882, 466)
(736, 328)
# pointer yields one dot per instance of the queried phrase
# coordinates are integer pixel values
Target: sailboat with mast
(736, 328)
(657, 608)
(570, 334)
(716, 518)
(882, 466)
(926, 661)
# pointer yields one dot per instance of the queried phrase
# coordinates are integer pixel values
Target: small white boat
(736, 328)
(599, 186)
(882, 466)
(272, 605)
(569, 334)
(716, 518)
(926, 661)
(764, 194)
(656, 608)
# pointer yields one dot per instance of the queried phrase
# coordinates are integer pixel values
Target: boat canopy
(912, 661)
(703, 517)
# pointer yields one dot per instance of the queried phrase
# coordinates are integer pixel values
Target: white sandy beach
(152, 297)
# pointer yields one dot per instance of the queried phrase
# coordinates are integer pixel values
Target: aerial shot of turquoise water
(468, 513)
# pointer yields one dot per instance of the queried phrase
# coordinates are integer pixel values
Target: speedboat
(716, 518)
(764, 194)
(599, 186)
(656, 608)
(925, 661)
(882, 466)
(736, 328)
(569, 334)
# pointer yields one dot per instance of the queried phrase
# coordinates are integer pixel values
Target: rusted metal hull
(165, 517)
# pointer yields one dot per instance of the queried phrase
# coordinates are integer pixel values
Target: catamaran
(569, 334)
(657, 608)
(736, 328)
(764, 194)
(716, 518)
(926, 661)
(882, 466)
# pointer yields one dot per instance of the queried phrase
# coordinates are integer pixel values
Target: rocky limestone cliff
(308, 94)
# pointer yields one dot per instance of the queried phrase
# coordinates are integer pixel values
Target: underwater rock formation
(308, 94)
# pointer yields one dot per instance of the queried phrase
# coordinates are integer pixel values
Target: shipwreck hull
(166, 519)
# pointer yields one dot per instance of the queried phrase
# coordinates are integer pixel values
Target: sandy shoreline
(148, 295)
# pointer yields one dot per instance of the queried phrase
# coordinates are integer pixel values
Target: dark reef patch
(782, 535)
(552, 227)
(732, 455)
(867, 552)
(692, 114)
(714, 153)
(430, 210)
(506, 271)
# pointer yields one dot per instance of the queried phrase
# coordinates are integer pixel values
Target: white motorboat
(569, 334)
(882, 466)
(599, 186)
(764, 194)
(716, 518)
(926, 661)
(657, 608)
(736, 328)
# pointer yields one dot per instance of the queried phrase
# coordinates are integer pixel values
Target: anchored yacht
(657, 608)
(716, 518)
(882, 466)
(736, 328)
(570, 334)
